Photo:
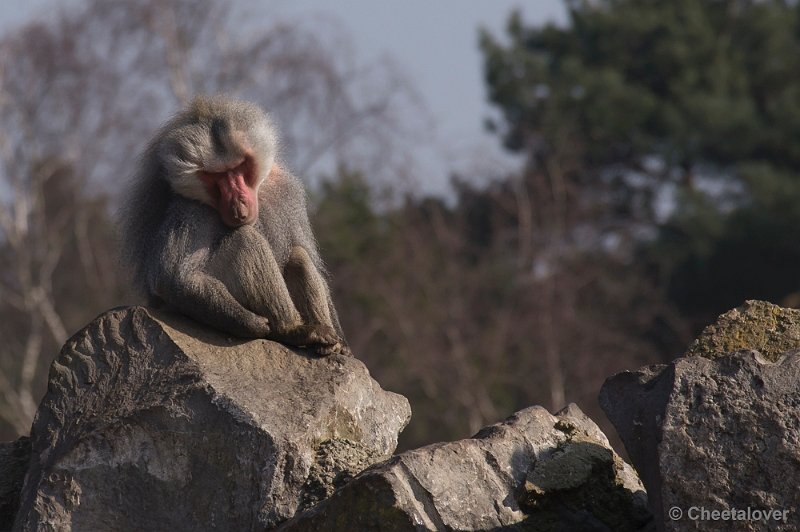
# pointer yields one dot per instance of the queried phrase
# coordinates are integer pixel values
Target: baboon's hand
(339, 348)
(322, 339)
(258, 326)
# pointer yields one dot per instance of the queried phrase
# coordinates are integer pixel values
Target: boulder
(15, 457)
(151, 422)
(534, 471)
(719, 430)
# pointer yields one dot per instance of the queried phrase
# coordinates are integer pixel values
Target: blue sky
(433, 43)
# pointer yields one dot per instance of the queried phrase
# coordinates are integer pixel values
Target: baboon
(216, 229)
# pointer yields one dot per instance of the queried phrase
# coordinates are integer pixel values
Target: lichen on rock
(767, 328)
(338, 460)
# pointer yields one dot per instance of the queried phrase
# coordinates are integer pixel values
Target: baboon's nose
(240, 211)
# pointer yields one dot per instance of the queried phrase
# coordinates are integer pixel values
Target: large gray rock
(534, 471)
(718, 430)
(153, 423)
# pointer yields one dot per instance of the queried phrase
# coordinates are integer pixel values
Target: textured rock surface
(14, 459)
(534, 471)
(718, 430)
(152, 423)
(769, 329)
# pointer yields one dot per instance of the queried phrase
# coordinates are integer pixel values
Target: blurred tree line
(658, 190)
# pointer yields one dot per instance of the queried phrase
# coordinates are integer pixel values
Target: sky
(434, 43)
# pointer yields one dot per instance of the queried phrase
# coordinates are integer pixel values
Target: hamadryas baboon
(215, 228)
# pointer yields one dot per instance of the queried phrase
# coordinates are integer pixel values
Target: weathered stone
(716, 433)
(14, 459)
(534, 471)
(338, 461)
(769, 329)
(153, 423)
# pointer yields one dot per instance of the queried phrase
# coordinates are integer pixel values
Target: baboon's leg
(308, 289)
(312, 298)
(245, 263)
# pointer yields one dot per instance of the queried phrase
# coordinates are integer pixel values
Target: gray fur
(262, 280)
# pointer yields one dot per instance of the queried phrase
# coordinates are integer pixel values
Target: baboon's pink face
(219, 154)
(233, 191)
